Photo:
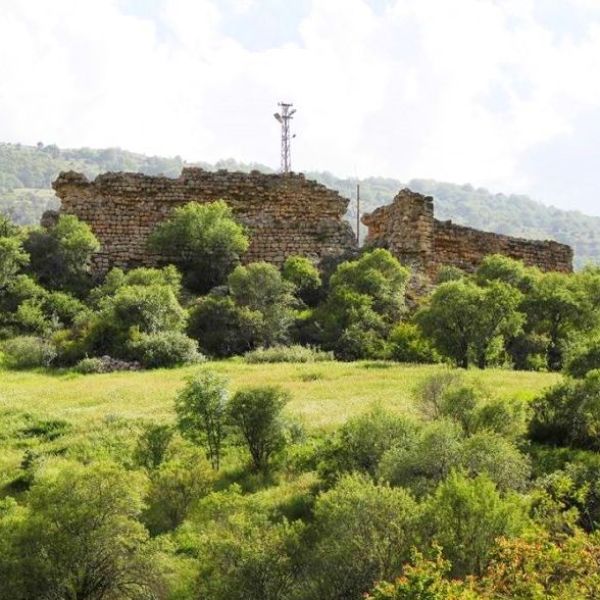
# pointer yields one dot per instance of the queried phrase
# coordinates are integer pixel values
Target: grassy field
(323, 396)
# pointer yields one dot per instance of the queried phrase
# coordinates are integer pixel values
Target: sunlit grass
(102, 410)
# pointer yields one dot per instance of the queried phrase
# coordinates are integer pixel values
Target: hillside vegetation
(310, 464)
(26, 173)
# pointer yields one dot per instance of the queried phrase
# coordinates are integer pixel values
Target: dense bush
(260, 288)
(291, 354)
(152, 445)
(364, 532)
(359, 444)
(204, 240)
(305, 277)
(28, 352)
(366, 297)
(81, 534)
(466, 516)
(60, 257)
(175, 486)
(221, 327)
(407, 344)
(256, 414)
(569, 414)
(583, 358)
(164, 349)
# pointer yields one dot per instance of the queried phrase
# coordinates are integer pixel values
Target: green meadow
(107, 409)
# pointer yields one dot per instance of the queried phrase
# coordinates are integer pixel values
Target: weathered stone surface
(408, 229)
(285, 214)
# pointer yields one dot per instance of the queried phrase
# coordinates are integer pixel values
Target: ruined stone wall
(408, 229)
(285, 214)
(464, 248)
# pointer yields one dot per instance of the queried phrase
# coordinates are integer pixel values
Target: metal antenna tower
(284, 118)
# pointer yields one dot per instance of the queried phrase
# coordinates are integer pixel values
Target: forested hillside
(26, 173)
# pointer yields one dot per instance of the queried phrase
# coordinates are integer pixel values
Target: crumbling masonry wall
(408, 229)
(285, 214)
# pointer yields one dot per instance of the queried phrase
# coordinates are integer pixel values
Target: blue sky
(503, 94)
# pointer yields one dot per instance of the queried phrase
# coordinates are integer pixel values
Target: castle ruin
(285, 215)
(407, 228)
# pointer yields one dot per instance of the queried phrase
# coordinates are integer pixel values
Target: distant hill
(26, 174)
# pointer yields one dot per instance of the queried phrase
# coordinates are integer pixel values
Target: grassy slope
(104, 411)
(341, 390)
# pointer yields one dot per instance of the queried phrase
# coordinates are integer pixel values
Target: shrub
(490, 453)
(249, 557)
(200, 408)
(569, 414)
(175, 486)
(164, 349)
(365, 298)
(28, 352)
(291, 354)
(61, 255)
(256, 413)
(87, 366)
(408, 345)
(583, 358)
(426, 461)
(305, 277)
(149, 308)
(81, 533)
(221, 327)
(466, 516)
(152, 445)
(364, 532)
(359, 444)
(259, 287)
(204, 240)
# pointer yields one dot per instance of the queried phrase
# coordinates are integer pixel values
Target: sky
(503, 94)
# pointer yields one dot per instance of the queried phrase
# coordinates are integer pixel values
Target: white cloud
(457, 90)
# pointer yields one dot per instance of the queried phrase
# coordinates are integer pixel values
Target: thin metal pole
(358, 214)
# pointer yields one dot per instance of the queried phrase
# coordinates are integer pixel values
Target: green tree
(152, 445)
(61, 255)
(568, 414)
(204, 240)
(499, 268)
(201, 413)
(256, 413)
(364, 532)
(464, 320)
(175, 488)
(260, 288)
(378, 275)
(82, 537)
(555, 308)
(366, 297)
(12, 259)
(305, 277)
(133, 310)
(466, 516)
(249, 557)
(359, 444)
(449, 319)
(223, 328)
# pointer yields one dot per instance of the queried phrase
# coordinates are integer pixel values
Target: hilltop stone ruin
(285, 215)
(407, 227)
